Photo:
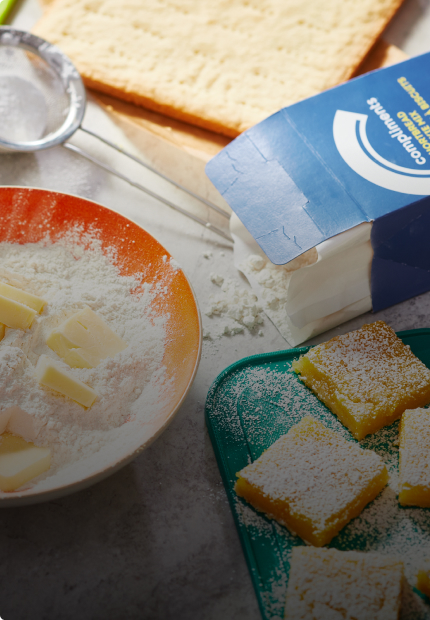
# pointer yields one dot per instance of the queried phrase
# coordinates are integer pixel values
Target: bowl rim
(17, 498)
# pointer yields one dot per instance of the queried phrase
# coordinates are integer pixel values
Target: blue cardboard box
(358, 152)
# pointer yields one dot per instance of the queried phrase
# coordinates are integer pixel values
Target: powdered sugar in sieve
(42, 103)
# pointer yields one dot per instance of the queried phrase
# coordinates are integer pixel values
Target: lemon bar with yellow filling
(327, 584)
(367, 377)
(313, 481)
(423, 577)
(414, 461)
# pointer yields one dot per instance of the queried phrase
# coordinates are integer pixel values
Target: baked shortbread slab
(313, 481)
(414, 458)
(367, 377)
(327, 584)
(223, 65)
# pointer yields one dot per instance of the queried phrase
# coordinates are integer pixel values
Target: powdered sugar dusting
(71, 274)
(258, 403)
(414, 450)
(371, 366)
(319, 474)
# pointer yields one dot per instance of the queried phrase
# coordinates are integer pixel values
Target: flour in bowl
(128, 385)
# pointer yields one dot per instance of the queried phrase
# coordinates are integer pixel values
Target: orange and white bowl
(30, 215)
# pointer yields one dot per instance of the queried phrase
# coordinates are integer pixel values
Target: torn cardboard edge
(358, 152)
(316, 291)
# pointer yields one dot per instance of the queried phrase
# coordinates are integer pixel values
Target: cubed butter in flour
(84, 340)
(50, 374)
(4, 418)
(20, 461)
(2, 330)
(18, 422)
(17, 294)
(15, 314)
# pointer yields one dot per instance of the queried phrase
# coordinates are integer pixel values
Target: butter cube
(84, 340)
(20, 423)
(4, 418)
(2, 330)
(17, 294)
(17, 307)
(50, 374)
(15, 314)
(20, 461)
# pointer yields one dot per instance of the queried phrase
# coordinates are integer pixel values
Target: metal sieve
(42, 104)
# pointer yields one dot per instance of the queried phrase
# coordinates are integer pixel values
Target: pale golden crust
(205, 123)
(221, 65)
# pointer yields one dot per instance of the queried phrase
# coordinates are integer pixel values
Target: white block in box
(359, 152)
(319, 290)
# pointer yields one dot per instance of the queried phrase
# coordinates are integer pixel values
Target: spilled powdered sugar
(242, 308)
(70, 278)
(272, 283)
(237, 305)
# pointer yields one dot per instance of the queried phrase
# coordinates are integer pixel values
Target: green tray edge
(222, 466)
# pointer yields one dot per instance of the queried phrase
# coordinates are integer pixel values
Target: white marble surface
(157, 539)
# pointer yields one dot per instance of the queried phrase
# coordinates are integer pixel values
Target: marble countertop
(157, 539)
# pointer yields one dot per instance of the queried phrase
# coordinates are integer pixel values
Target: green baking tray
(250, 405)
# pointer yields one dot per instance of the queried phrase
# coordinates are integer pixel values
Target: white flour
(70, 278)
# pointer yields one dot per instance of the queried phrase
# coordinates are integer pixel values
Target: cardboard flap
(352, 154)
(287, 213)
